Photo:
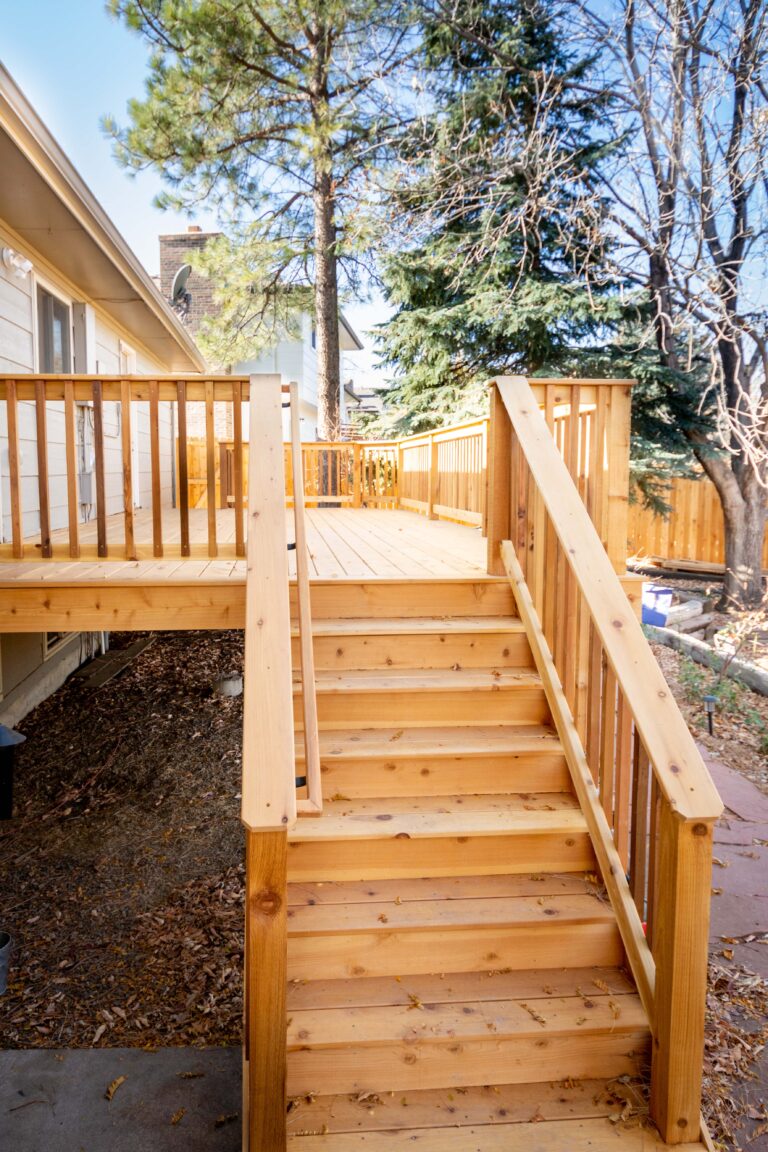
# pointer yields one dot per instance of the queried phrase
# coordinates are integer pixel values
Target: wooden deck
(346, 547)
(344, 543)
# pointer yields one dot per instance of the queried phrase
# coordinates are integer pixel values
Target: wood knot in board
(266, 902)
(675, 769)
(617, 623)
(700, 830)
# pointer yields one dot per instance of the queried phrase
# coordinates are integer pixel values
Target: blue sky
(76, 64)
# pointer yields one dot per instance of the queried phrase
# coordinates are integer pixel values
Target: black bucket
(5, 955)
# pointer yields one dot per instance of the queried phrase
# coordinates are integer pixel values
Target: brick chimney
(175, 250)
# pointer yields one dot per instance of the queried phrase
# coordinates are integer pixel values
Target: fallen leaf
(220, 1121)
(178, 1116)
(113, 1087)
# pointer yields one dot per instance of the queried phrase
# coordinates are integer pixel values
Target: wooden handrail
(268, 791)
(683, 778)
(648, 798)
(313, 805)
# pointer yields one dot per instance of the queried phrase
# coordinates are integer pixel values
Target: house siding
(28, 672)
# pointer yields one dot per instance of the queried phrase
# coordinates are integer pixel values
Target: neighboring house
(295, 358)
(73, 298)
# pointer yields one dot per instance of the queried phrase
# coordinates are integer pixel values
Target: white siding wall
(18, 354)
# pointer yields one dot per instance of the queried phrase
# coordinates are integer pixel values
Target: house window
(54, 641)
(54, 333)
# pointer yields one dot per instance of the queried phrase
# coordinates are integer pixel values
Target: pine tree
(274, 112)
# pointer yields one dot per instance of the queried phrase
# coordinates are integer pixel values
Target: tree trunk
(742, 497)
(744, 535)
(326, 310)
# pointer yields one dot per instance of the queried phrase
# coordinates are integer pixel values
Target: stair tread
(389, 916)
(395, 625)
(442, 816)
(597, 1134)
(329, 681)
(446, 1108)
(457, 987)
(491, 740)
(416, 1022)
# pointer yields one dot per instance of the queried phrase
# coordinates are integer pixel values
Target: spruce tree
(500, 269)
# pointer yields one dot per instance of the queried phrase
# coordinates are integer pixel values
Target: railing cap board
(426, 436)
(681, 773)
(587, 381)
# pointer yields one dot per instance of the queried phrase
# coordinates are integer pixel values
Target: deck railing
(86, 456)
(645, 791)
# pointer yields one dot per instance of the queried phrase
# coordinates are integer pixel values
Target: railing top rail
(132, 378)
(588, 381)
(680, 771)
(419, 436)
(24, 385)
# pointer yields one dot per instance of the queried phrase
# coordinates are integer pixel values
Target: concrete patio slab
(171, 1099)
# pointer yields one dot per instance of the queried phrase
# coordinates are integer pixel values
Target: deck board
(344, 544)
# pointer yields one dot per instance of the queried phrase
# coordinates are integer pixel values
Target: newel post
(266, 976)
(499, 472)
(681, 935)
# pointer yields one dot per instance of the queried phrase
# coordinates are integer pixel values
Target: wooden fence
(692, 534)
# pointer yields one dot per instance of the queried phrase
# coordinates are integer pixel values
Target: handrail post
(498, 504)
(680, 939)
(268, 787)
(617, 494)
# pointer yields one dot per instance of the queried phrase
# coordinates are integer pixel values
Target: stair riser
(508, 705)
(411, 953)
(353, 599)
(449, 856)
(344, 652)
(446, 776)
(403, 1067)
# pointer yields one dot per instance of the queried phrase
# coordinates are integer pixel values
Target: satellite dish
(179, 286)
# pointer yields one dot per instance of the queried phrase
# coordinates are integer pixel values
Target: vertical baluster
(70, 439)
(154, 447)
(653, 862)
(594, 700)
(639, 847)
(14, 467)
(102, 546)
(181, 394)
(237, 466)
(608, 742)
(550, 583)
(568, 603)
(125, 422)
(582, 666)
(42, 468)
(210, 468)
(623, 783)
(599, 515)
